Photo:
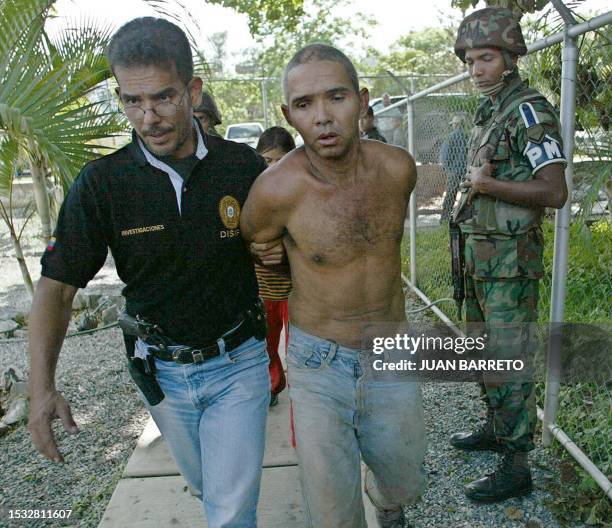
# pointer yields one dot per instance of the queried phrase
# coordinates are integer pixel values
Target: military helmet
(209, 107)
(490, 28)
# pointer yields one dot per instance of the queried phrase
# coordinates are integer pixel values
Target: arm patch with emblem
(541, 149)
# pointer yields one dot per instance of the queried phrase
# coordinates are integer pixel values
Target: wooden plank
(165, 501)
(281, 503)
(151, 457)
(278, 435)
(153, 501)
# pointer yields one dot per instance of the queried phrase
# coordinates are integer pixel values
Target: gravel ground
(110, 416)
(92, 376)
(452, 407)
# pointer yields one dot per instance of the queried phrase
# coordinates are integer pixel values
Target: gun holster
(143, 372)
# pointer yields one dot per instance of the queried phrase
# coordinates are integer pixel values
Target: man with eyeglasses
(168, 207)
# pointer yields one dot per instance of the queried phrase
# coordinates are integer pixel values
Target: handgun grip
(129, 325)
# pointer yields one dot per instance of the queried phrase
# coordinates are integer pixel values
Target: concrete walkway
(152, 493)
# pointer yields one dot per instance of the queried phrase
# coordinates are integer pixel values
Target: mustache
(156, 130)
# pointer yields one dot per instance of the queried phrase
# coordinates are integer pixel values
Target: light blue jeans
(342, 414)
(213, 419)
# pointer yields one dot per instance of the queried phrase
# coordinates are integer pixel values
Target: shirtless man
(338, 203)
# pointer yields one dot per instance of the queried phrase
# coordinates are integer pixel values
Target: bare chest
(333, 226)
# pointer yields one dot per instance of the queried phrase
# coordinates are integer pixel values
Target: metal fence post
(562, 223)
(413, 199)
(599, 455)
(264, 97)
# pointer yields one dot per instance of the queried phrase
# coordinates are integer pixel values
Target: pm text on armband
(544, 153)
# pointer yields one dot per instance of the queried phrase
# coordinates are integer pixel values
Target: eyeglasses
(163, 109)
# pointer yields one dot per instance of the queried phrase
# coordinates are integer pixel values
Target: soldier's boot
(512, 478)
(390, 518)
(480, 439)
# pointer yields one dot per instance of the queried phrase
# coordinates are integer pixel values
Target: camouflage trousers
(513, 403)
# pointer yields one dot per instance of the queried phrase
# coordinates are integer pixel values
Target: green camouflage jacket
(520, 134)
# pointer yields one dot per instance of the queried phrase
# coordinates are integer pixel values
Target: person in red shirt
(274, 287)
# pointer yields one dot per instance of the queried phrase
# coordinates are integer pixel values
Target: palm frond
(9, 156)
(17, 17)
(46, 86)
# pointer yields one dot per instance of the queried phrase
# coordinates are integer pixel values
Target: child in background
(274, 288)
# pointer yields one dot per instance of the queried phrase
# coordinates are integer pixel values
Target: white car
(244, 133)
(377, 103)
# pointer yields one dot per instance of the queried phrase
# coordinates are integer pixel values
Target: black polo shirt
(188, 271)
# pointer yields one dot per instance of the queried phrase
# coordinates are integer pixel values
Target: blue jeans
(213, 419)
(341, 414)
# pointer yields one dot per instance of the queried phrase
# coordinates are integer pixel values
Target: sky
(395, 17)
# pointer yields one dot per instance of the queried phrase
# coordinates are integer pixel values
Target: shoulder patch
(529, 115)
(535, 129)
(536, 133)
(543, 153)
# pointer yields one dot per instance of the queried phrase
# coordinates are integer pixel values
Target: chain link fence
(258, 99)
(435, 122)
(442, 110)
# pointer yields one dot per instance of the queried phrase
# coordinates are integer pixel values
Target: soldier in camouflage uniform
(208, 114)
(367, 128)
(515, 169)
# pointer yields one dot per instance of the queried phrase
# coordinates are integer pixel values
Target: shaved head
(320, 52)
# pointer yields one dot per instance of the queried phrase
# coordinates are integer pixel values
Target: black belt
(186, 355)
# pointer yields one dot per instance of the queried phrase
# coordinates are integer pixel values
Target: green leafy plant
(584, 408)
(49, 116)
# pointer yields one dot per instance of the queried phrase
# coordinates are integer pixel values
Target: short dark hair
(370, 112)
(149, 41)
(321, 52)
(275, 137)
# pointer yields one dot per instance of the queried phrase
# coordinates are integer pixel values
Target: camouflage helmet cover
(209, 107)
(490, 28)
